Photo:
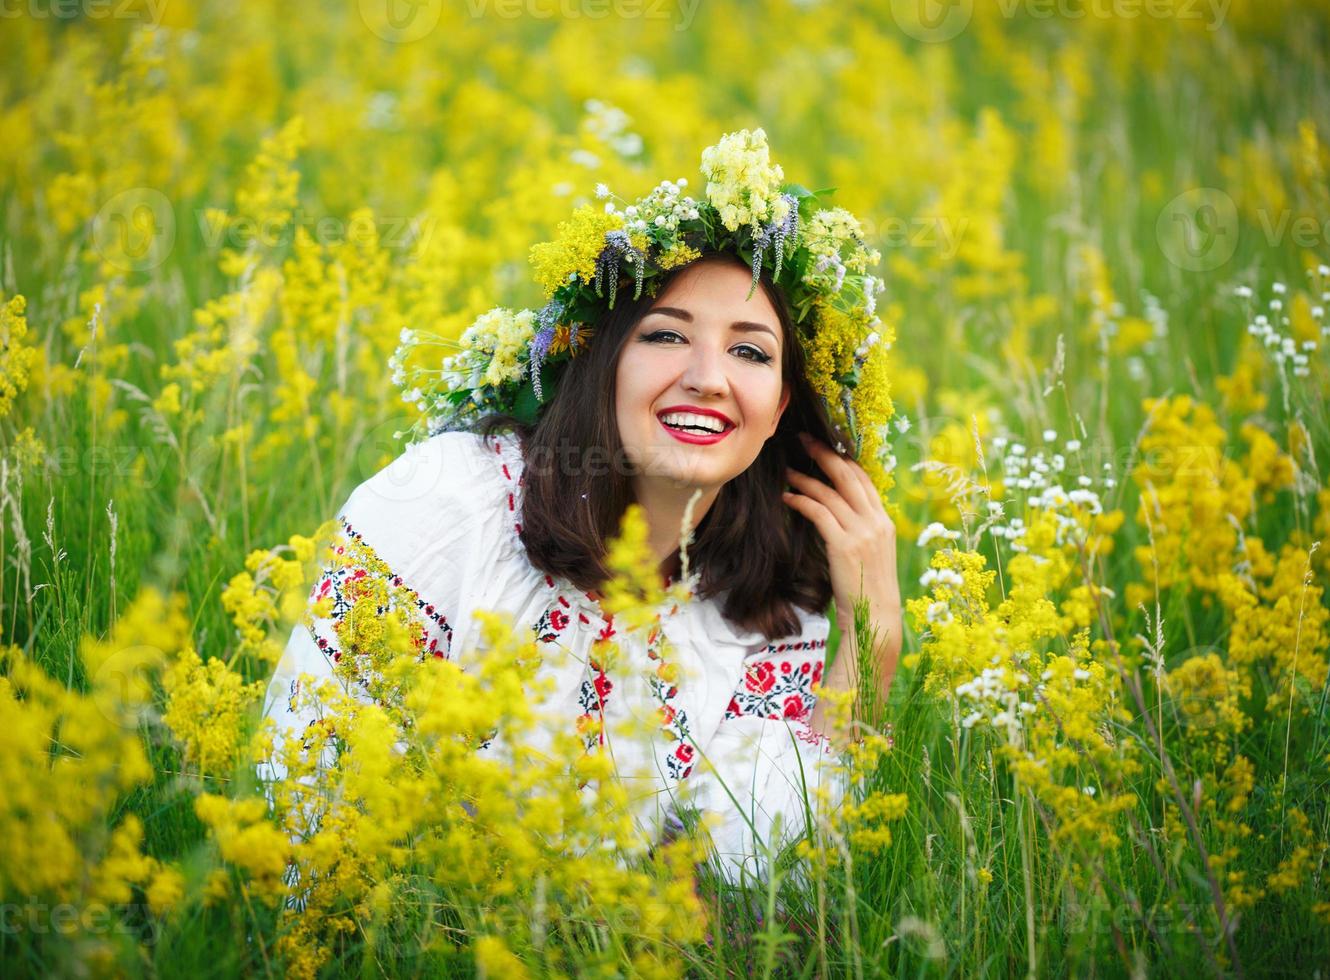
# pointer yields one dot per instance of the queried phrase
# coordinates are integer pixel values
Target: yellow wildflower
(16, 357)
(577, 244)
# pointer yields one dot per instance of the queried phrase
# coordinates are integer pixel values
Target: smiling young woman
(696, 393)
(691, 345)
(727, 370)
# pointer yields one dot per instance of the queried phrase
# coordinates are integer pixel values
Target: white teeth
(692, 419)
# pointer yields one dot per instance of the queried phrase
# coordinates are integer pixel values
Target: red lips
(697, 438)
(697, 411)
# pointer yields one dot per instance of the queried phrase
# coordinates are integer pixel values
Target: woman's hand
(861, 552)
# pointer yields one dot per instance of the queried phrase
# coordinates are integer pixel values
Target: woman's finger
(822, 518)
(879, 508)
(867, 482)
(840, 472)
(873, 507)
(811, 486)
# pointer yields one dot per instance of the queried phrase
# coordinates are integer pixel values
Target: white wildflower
(936, 530)
(941, 576)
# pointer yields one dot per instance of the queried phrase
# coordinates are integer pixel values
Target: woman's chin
(687, 474)
(679, 465)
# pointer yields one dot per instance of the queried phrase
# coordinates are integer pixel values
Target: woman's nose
(705, 373)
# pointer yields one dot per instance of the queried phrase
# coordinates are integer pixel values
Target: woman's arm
(861, 554)
(409, 527)
(842, 676)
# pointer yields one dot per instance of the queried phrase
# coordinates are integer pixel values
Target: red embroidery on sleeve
(358, 573)
(776, 685)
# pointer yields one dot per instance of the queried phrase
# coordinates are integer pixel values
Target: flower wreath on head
(510, 361)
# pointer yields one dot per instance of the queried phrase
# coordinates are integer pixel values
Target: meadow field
(1105, 239)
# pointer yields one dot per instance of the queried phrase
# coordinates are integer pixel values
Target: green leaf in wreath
(525, 405)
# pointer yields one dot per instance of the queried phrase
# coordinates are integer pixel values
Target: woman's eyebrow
(743, 326)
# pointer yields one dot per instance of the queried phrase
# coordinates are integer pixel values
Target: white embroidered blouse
(444, 518)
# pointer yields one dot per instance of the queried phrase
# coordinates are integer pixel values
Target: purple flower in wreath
(779, 232)
(547, 321)
(618, 248)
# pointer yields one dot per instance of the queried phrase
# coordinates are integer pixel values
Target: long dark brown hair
(577, 483)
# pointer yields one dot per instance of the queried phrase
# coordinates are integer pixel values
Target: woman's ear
(784, 402)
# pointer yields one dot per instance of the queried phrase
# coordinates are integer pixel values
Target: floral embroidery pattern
(805, 734)
(512, 493)
(592, 697)
(597, 687)
(356, 592)
(779, 683)
(594, 692)
(674, 720)
(554, 620)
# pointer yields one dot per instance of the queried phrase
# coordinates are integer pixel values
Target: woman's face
(703, 348)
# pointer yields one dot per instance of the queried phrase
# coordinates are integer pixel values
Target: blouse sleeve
(764, 765)
(406, 537)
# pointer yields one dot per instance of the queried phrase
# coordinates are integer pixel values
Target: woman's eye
(759, 356)
(751, 353)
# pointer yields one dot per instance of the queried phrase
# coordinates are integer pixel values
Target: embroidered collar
(511, 465)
